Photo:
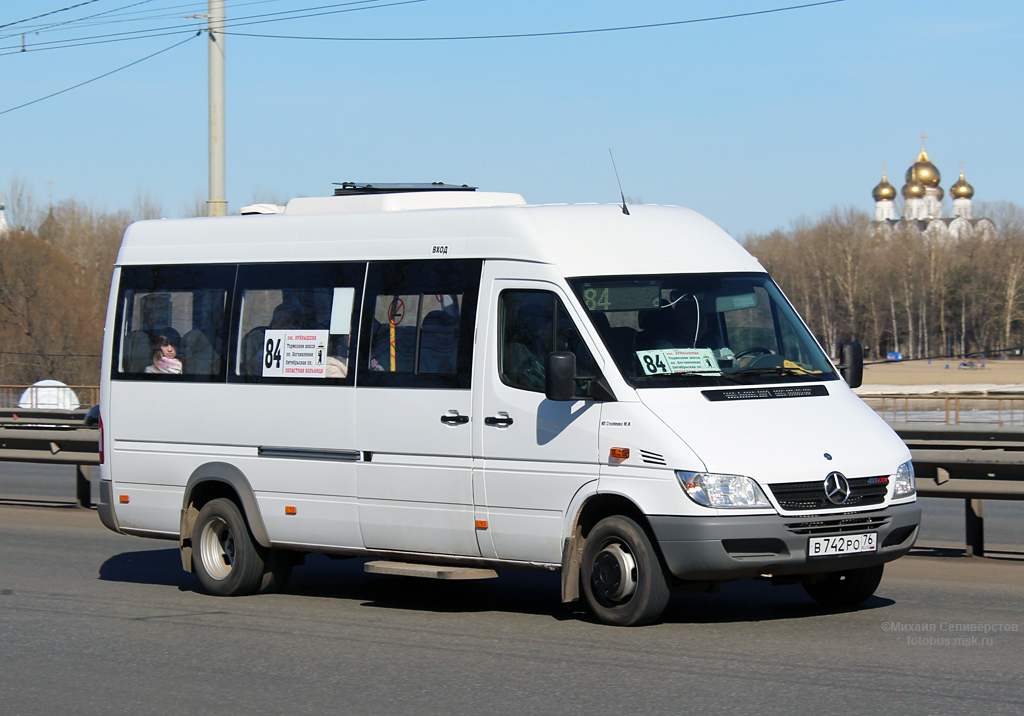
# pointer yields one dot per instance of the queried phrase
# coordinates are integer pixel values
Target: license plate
(846, 544)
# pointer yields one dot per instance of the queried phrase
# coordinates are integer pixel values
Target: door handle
(454, 419)
(501, 420)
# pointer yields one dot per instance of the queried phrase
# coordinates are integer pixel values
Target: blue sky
(754, 121)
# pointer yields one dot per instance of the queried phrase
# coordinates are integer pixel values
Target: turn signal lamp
(618, 453)
(290, 510)
(481, 524)
(123, 499)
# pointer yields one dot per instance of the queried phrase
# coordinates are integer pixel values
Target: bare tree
(22, 211)
(903, 289)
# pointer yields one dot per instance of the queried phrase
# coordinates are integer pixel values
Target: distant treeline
(55, 268)
(53, 294)
(903, 290)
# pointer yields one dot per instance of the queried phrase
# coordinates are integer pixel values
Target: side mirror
(560, 376)
(852, 365)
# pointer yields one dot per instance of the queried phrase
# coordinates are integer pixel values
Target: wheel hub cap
(614, 574)
(217, 548)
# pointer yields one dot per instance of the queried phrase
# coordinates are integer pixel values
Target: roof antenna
(624, 209)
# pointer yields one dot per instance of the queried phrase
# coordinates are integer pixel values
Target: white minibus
(449, 382)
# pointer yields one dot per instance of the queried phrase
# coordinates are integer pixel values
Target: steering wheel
(753, 350)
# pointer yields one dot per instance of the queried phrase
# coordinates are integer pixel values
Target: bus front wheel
(621, 575)
(226, 558)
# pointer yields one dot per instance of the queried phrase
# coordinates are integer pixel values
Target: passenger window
(172, 322)
(418, 323)
(295, 322)
(533, 324)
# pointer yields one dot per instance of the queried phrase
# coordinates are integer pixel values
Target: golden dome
(913, 189)
(961, 190)
(923, 171)
(884, 191)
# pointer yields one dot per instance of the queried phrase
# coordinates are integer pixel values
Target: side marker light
(123, 499)
(481, 524)
(618, 453)
(290, 510)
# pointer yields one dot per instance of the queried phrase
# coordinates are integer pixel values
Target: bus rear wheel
(622, 577)
(226, 558)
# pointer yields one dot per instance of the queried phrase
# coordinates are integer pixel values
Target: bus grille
(832, 524)
(811, 495)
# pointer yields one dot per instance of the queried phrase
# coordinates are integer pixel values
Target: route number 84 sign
(295, 353)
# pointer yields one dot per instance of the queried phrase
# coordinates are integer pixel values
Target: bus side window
(294, 323)
(418, 320)
(179, 309)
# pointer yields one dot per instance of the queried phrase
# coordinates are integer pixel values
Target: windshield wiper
(777, 370)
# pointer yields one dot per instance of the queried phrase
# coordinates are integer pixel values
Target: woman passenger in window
(164, 357)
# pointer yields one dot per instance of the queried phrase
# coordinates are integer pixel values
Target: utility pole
(217, 204)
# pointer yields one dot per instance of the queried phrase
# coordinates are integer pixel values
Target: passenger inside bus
(165, 354)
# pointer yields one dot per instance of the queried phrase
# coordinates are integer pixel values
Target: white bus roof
(580, 239)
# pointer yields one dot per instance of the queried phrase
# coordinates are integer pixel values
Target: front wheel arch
(593, 510)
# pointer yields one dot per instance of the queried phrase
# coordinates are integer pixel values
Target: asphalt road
(97, 623)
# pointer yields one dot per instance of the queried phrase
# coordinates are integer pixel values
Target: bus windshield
(701, 329)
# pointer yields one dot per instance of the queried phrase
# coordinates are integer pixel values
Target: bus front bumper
(734, 547)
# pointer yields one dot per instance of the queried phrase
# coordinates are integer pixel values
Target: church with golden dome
(922, 203)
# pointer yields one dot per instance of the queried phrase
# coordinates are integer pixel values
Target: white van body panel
(782, 440)
(416, 491)
(647, 476)
(534, 466)
(405, 201)
(574, 240)
(229, 423)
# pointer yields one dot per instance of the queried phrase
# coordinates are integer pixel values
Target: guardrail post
(83, 486)
(975, 512)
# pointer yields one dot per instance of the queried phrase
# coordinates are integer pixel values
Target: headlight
(904, 485)
(722, 490)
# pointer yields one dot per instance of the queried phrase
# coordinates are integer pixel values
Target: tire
(277, 568)
(622, 578)
(845, 589)
(226, 558)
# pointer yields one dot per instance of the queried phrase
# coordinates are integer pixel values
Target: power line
(346, 7)
(105, 74)
(52, 12)
(53, 26)
(180, 28)
(116, 17)
(262, 19)
(538, 34)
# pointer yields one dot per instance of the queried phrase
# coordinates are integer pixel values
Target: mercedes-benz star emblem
(837, 488)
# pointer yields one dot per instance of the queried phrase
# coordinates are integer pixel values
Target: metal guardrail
(56, 437)
(963, 409)
(968, 462)
(11, 395)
